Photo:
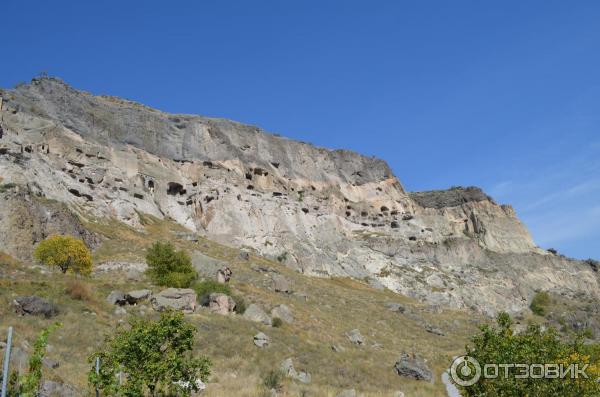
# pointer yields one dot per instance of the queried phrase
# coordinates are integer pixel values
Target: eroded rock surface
(325, 213)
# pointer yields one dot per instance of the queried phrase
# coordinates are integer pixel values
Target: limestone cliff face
(328, 213)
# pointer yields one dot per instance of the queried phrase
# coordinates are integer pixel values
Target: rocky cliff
(324, 213)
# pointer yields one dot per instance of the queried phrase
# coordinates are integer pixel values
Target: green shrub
(277, 322)
(6, 186)
(207, 287)
(538, 303)
(156, 356)
(273, 380)
(169, 267)
(283, 257)
(500, 345)
(240, 304)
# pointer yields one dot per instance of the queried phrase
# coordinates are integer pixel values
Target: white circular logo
(465, 371)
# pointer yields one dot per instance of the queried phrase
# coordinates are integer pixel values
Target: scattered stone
(338, 348)
(413, 366)
(287, 367)
(261, 340)
(257, 314)
(284, 313)
(183, 299)
(134, 275)
(220, 303)
(281, 284)
(51, 388)
(356, 337)
(434, 330)
(116, 298)
(398, 394)
(50, 363)
(34, 305)
(224, 275)
(135, 297)
(395, 307)
(244, 255)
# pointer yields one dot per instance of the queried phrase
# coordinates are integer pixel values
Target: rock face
(413, 367)
(283, 312)
(287, 368)
(34, 305)
(183, 299)
(321, 212)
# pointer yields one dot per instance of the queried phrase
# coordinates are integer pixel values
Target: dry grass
(324, 311)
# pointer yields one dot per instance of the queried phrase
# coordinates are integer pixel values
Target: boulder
(284, 313)
(414, 367)
(116, 298)
(395, 307)
(183, 299)
(356, 337)
(281, 284)
(134, 297)
(220, 303)
(51, 388)
(244, 255)
(34, 305)
(261, 340)
(287, 368)
(224, 275)
(257, 314)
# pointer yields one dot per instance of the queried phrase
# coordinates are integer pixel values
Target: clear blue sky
(504, 95)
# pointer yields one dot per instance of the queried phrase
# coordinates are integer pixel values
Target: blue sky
(504, 95)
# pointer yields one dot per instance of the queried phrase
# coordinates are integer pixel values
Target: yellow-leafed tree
(66, 252)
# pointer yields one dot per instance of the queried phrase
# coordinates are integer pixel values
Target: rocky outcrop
(324, 213)
(34, 305)
(414, 367)
(175, 299)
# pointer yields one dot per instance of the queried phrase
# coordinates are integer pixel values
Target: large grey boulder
(183, 299)
(137, 296)
(257, 314)
(283, 312)
(287, 367)
(414, 367)
(356, 337)
(34, 305)
(116, 298)
(281, 284)
(220, 303)
(261, 340)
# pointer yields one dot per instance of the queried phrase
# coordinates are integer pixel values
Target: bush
(79, 290)
(156, 356)
(277, 322)
(538, 303)
(273, 380)
(240, 304)
(501, 346)
(6, 186)
(169, 267)
(65, 252)
(207, 287)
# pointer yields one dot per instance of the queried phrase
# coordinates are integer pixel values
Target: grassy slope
(324, 310)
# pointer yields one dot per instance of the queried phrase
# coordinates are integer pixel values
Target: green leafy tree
(534, 346)
(155, 356)
(66, 252)
(169, 267)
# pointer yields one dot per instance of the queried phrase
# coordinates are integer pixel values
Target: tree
(65, 252)
(533, 346)
(154, 355)
(169, 267)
